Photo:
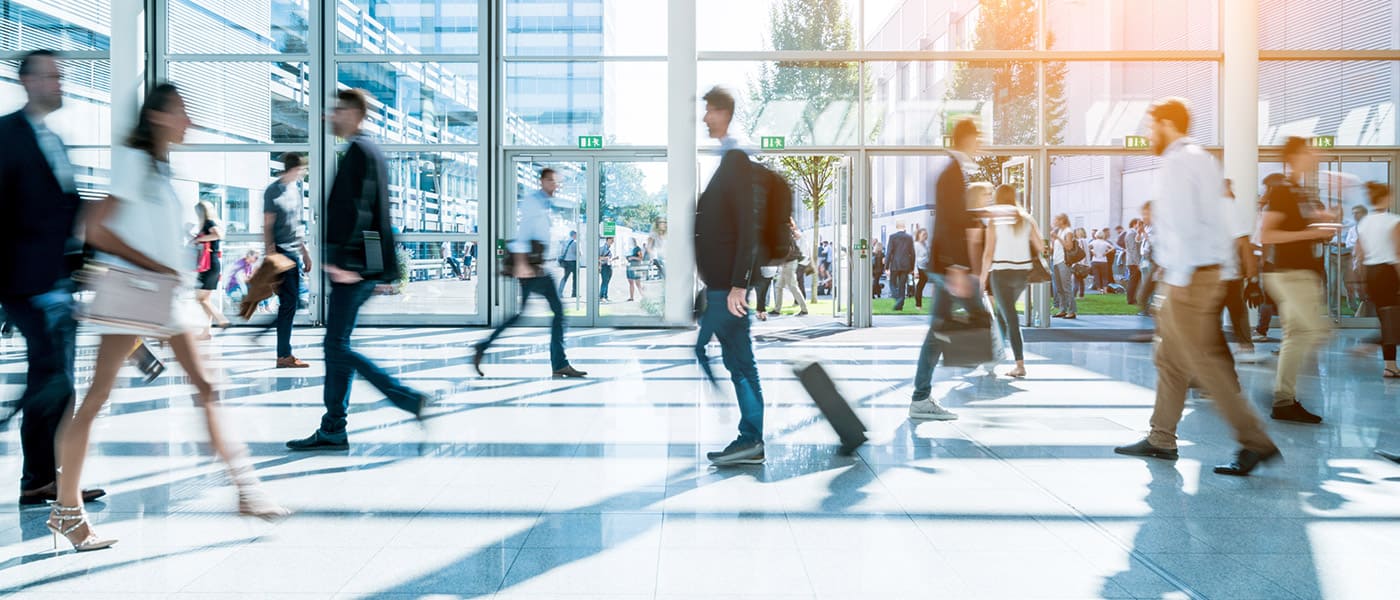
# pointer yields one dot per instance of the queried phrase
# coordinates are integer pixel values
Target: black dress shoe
(1246, 460)
(321, 441)
(568, 372)
(1391, 456)
(49, 493)
(1295, 413)
(1146, 449)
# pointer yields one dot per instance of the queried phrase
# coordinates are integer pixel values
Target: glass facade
(814, 78)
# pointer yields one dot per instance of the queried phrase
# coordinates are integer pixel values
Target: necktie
(56, 156)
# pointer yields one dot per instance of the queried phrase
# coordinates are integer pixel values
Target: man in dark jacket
(900, 259)
(359, 259)
(956, 238)
(39, 207)
(726, 247)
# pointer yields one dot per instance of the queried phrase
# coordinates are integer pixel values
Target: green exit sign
(1323, 141)
(590, 142)
(773, 142)
(609, 229)
(1136, 142)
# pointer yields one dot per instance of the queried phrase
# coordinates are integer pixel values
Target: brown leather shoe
(291, 362)
(569, 372)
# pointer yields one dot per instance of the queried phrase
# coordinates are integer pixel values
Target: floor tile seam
(1133, 553)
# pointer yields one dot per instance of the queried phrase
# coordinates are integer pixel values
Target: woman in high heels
(143, 225)
(209, 241)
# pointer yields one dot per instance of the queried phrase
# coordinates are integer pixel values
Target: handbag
(130, 298)
(204, 257)
(1081, 270)
(1038, 274)
(966, 342)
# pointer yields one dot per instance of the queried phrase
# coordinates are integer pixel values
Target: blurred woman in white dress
(144, 226)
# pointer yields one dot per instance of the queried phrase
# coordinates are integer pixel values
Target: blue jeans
(46, 321)
(288, 295)
(941, 311)
(1007, 287)
(544, 286)
(736, 348)
(342, 362)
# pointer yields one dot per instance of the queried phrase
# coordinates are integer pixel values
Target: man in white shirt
(1193, 242)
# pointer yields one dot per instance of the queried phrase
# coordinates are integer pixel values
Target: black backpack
(773, 206)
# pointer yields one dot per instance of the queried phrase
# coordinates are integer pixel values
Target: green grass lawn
(1091, 304)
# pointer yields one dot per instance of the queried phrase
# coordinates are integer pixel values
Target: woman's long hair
(1006, 196)
(205, 211)
(143, 135)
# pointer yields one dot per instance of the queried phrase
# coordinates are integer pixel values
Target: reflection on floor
(525, 487)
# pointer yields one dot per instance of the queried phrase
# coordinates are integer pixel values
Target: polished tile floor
(523, 487)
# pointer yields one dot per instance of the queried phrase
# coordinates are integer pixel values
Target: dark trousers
(1134, 280)
(760, 287)
(605, 271)
(919, 283)
(288, 296)
(736, 348)
(570, 273)
(899, 286)
(456, 267)
(1007, 287)
(942, 311)
(46, 321)
(343, 362)
(1103, 275)
(1239, 313)
(544, 286)
(1382, 287)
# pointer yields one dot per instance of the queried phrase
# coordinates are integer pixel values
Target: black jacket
(357, 204)
(950, 220)
(37, 217)
(901, 252)
(726, 225)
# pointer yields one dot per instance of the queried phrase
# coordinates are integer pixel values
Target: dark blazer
(355, 205)
(901, 252)
(950, 221)
(36, 216)
(726, 226)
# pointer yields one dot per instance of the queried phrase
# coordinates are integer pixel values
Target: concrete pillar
(1239, 135)
(681, 167)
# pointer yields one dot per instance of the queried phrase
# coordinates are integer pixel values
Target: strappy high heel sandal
(253, 501)
(67, 521)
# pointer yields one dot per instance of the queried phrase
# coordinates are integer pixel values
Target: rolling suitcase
(833, 405)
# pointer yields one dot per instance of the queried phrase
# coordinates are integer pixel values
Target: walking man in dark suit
(726, 246)
(900, 259)
(360, 258)
(568, 259)
(955, 240)
(39, 207)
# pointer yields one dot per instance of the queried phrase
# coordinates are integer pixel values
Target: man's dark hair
(26, 64)
(720, 98)
(1293, 146)
(962, 128)
(1273, 179)
(1172, 110)
(356, 98)
(292, 160)
(546, 172)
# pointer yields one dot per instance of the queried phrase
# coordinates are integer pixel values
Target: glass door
(1341, 183)
(570, 254)
(607, 250)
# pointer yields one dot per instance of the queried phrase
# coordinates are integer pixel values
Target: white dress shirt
(534, 222)
(1192, 226)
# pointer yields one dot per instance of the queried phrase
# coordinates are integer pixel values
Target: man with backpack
(727, 252)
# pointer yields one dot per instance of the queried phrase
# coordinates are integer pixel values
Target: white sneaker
(1249, 357)
(928, 410)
